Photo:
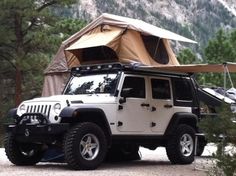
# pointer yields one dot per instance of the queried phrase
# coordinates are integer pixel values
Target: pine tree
(28, 39)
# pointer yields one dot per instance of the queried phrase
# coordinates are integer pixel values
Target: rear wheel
(22, 154)
(85, 146)
(180, 147)
(201, 146)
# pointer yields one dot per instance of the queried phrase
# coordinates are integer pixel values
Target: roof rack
(116, 66)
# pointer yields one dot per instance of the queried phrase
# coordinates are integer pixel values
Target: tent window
(156, 49)
(100, 53)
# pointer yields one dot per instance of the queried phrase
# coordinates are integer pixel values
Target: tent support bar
(224, 65)
(226, 72)
(230, 79)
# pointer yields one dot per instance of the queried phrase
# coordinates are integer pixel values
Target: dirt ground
(152, 163)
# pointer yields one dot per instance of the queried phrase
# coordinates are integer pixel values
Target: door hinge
(153, 124)
(120, 107)
(153, 108)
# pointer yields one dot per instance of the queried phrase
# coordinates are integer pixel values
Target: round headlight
(22, 108)
(57, 108)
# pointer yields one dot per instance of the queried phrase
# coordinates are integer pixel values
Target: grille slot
(44, 109)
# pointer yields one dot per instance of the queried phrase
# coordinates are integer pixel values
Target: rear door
(161, 103)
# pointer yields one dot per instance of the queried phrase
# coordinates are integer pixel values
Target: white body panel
(162, 115)
(136, 119)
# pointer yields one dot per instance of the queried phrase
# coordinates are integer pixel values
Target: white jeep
(108, 111)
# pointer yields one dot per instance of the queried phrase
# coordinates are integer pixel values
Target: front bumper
(37, 132)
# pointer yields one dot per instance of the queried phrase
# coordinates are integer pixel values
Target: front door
(132, 114)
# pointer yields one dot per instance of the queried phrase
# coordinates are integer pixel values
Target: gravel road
(152, 163)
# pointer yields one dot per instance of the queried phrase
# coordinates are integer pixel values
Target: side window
(136, 85)
(160, 89)
(183, 91)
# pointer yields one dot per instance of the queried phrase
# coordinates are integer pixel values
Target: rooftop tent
(115, 44)
(111, 38)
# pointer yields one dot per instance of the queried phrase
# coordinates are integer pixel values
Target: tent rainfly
(111, 38)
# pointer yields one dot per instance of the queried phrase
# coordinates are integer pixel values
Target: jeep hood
(77, 99)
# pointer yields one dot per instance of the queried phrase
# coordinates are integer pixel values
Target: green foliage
(30, 34)
(219, 50)
(186, 56)
(221, 125)
(67, 26)
(227, 163)
(222, 131)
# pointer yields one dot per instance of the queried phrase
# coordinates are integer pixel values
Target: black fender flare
(181, 118)
(12, 113)
(71, 113)
(68, 112)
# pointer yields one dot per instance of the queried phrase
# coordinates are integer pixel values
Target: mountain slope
(230, 5)
(195, 19)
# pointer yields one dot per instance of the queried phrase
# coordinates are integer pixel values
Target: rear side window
(182, 90)
(160, 89)
(137, 84)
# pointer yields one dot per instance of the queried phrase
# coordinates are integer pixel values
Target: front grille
(44, 109)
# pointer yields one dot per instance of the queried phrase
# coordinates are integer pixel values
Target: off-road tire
(16, 151)
(200, 147)
(200, 150)
(72, 146)
(173, 148)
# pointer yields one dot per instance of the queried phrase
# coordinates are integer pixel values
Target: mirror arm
(122, 100)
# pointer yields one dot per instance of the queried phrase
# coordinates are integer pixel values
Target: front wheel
(180, 147)
(22, 154)
(85, 146)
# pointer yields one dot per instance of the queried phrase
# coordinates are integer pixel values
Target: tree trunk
(18, 90)
(19, 56)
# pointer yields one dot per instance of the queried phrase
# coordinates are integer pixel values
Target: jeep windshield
(89, 84)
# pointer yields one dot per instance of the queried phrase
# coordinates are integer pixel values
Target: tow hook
(27, 133)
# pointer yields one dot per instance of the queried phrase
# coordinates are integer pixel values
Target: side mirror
(126, 92)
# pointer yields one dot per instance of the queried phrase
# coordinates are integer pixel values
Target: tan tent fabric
(132, 49)
(200, 68)
(120, 38)
(55, 83)
(173, 60)
(100, 36)
(118, 21)
(96, 39)
(127, 44)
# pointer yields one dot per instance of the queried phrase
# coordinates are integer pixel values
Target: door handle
(168, 106)
(145, 104)
(119, 123)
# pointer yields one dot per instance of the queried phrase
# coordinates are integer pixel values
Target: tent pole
(224, 65)
(230, 79)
